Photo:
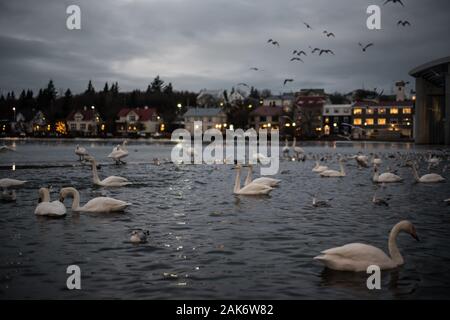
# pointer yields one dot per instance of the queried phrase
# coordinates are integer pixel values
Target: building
(84, 122)
(286, 101)
(336, 119)
(267, 117)
(384, 120)
(432, 104)
(210, 118)
(211, 98)
(309, 108)
(143, 121)
(39, 124)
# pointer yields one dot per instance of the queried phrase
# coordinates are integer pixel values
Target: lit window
(381, 121)
(407, 110)
(370, 122)
(357, 111)
(394, 111)
(369, 111)
(357, 122)
(382, 110)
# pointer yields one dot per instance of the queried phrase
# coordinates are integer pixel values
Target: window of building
(327, 110)
(407, 110)
(357, 111)
(132, 118)
(393, 121)
(327, 120)
(381, 121)
(73, 126)
(394, 111)
(382, 111)
(263, 119)
(369, 121)
(336, 110)
(357, 121)
(275, 118)
(83, 126)
(369, 111)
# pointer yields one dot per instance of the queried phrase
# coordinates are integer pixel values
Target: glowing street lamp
(92, 107)
(179, 106)
(14, 110)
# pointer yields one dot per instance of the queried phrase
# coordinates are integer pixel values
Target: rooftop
(203, 112)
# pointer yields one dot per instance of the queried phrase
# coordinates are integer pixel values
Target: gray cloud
(212, 43)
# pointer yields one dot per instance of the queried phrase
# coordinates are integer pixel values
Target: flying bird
(364, 48)
(403, 23)
(275, 43)
(307, 25)
(296, 59)
(315, 50)
(326, 51)
(394, 1)
(254, 69)
(287, 80)
(329, 34)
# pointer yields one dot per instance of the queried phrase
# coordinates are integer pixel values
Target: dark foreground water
(206, 243)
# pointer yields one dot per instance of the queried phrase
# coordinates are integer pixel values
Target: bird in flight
(275, 43)
(254, 69)
(243, 84)
(364, 48)
(287, 80)
(299, 53)
(326, 51)
(403, 23)
(296, 59)
(315, 50)
(307, 25)
(394, 1)
(329, 34)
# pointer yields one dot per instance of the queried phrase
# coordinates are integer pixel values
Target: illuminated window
(370, 122)
(394, 111)
(357, 111)
(407, 110)
(382, 110)
(357, 122)
(369, 111)
(381, 121)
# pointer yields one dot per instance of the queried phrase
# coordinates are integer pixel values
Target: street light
(179, 106)
(92, 107)
(14, 110)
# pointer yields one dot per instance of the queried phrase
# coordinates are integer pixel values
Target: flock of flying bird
(297, 53)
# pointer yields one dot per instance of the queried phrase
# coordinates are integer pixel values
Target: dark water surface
(206, 243)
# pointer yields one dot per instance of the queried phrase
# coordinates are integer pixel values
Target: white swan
(334, 173)
(377, 161)
(99, 204)
(119, 152)
(81, 152)
(270, 182)
(111, 181)
(6, 183)
(427, 178)
(297, 150)
(252, 189)
(357, 257)
(362, 160)
(47, 208)
(386, 177)
(319, 168)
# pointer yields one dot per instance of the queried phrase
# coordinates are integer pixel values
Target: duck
(427, 178)
(357, 257)
(99, 204)
(111, 181)
(81, 152)
(334, 173)
(270, 182)
(252, 189)
(386, 177)
(46, 208)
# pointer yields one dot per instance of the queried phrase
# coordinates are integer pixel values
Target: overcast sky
(212, 44)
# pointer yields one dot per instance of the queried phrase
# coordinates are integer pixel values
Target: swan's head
(44, 193)
(408, 227)
(66, 192)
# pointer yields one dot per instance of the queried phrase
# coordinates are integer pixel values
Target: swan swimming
(47, 208)
(111, 181)
(270, 182)
(119, 152)
(81, 152)
(334, 173)
(357, 257)
(427, 178)
(252, 189)
(99, 204)
(386, 177)
(297, 150)
(6, 183)
(319, 168)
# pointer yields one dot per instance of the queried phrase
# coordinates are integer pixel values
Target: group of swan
(356, 257)
(296, 150)
(119, 152)
(57, 209)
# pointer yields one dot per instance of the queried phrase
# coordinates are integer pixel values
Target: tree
(90, 88)
(105, 88)
(156, 85)
(168, 89)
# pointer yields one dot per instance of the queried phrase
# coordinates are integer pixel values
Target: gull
(287, 80)
(394, 1)
(403, 23)
(364, 48)
(296, 59)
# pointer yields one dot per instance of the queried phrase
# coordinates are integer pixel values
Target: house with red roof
(84, 122)
(138, 120)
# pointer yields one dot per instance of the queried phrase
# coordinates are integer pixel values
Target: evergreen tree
(105, 88)
(156, 85)
(90, 88)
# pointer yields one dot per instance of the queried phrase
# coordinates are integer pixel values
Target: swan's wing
(104, 204)
(112, 179)
(357, 251)
(256, 188)
(54, 208)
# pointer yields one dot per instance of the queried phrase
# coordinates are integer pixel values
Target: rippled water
(207, 243)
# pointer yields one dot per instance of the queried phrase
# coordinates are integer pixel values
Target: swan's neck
(342, 168)
(237, 182)
(45, 195)
(76, 199)
(95, 173)
(376, 176)
(249, 176)
(317, 164)
(393, 249)
(294, 142)
(415, 174)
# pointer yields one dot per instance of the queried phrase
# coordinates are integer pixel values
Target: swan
(270, 182)
(111, 181)
(285, 149)
(7, 148)
(362, 160)
(334, 173)
(386, 177)
(251, 189)
(377, 161)
(427, 178)
(81, 152)
(9, 183)
(119, 152)
(319, 168)
(259, 157)
(297, 150)
(357, 257)
(99, 204)
(47, 208)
